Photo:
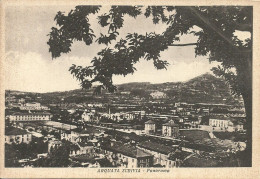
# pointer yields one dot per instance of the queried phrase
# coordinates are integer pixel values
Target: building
(33, 106)
(89, 116)
(86, 116)
(161, 154)
(54, 144)
(158, 95)
(17, 136)
(220, 122)
(127, 156)
(82, 148)
(149, 127)
(78, 135)
(21, 100)
(30, 117)
(170, 129)
(225, 124)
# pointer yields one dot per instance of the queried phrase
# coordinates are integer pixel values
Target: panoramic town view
(64, 107)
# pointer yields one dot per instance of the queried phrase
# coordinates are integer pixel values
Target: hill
(203, 88)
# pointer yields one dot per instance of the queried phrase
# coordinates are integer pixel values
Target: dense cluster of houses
(87, 136)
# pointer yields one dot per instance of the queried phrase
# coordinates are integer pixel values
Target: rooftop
(30, 114)
(82, 144)
(220, 118)
(156, 147)
(149, 122)
(84, 158)
(87, 130)
(127, 149)
(196, 161)
(15, 131)
(171, 124)
(178, 154)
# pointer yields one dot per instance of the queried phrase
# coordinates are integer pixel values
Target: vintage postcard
(129, 89)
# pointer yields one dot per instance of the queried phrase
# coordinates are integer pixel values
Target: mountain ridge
(205, 75)
(203, 88)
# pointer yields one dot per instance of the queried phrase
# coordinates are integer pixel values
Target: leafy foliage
(215, 38)
(74, 26)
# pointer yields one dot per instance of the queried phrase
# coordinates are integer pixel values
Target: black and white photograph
(128, 87)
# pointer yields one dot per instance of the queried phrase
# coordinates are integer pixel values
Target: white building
(33, 106)
(158, 95)
(88, 116)
(82, 148)
(170, 129)
(17, 136)
(30, 117)
(222, 123)
(54, 144)
(226, 124)
(149, 127)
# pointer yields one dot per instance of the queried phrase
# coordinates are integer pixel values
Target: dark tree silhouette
(216, 26)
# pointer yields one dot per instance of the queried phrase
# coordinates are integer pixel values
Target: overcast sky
(29, 66)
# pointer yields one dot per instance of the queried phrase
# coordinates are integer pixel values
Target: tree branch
(244, 27)
(188, 44)
(211, 25)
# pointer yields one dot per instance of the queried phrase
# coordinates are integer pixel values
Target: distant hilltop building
(158, 95)
(33, 106)
(30, 117)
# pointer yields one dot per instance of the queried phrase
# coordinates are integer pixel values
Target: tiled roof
(179, 155)
(80, 131)
(126, 149)
(141, 153)
(156, 147)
